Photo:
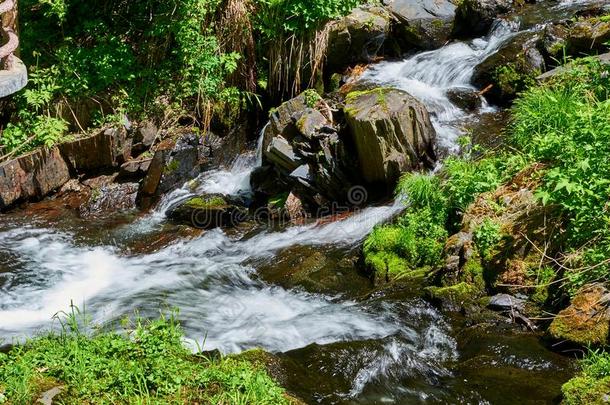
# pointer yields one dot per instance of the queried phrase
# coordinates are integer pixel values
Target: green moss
(352, 98)
(386, 265)
(584, 390)
(458, 293)
(172, 166)
(473, 273)
(206, 202)
(594, 333)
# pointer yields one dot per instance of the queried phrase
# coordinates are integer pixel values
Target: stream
(293, 291)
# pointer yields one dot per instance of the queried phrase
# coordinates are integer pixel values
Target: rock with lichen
(587, 320)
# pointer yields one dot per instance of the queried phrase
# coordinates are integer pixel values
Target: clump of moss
(457, 294)
(592, 385)
(206, 202)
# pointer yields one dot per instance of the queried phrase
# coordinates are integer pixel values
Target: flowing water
(353, 345)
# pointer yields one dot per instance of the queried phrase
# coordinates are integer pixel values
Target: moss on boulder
(587, 320)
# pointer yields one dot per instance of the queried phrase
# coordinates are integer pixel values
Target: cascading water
(429, 75)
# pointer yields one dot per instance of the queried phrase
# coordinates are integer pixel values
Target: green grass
(148, 364)
(592, 385)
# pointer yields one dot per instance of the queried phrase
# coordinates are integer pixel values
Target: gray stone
(475, 17)
(111, 198)
(506, 302)
(392, 133)
(424, 24)
(13, 80)
(357, 38)
(280, 153)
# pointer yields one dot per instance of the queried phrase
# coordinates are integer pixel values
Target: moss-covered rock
(455, 297)
(584, 390)
(587, 320)
(208, 212)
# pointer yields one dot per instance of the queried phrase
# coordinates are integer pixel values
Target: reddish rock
(106, 149)
(32, 176)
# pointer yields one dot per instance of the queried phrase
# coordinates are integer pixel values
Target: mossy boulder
(422, 24)
(511, 69)
(455, 297)
(475, 17)
(587, 320)
(392, 133)
(208, 212)
(585, 390)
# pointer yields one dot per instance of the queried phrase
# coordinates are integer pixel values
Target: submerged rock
(208, 212)
(475, 17)
(465, 98)
(392, 133)
(587, 320)
(356, 38)
(422, 24)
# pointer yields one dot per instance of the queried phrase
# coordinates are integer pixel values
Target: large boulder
(392, 133)
(208, 212)
(475, 17)
(422, 24)
(32, 176)
(280, 118)
(587, 320)
(511, 69)
(356, 38)
(106, 149)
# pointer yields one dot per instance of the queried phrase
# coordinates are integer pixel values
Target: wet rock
(392, 133)
(511, 69)
(586, 321)
(294, 208)
(465, 98)
(208, 212)
(32, 176)
(357, 38)
(454, 297)
(422, 24)
(106, 149)
(110, 198)
(506, 302)
(475, 17)
(173, 164)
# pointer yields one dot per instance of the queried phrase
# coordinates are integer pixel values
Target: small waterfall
(429, 75)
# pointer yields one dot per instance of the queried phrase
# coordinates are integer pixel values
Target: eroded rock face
(392, 133)
(422, 24)
(106, 149)
(32, 176)
(475, 17)
(511, 68)
(357, 38)
(586, 321)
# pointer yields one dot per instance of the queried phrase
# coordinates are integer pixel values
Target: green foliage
(592, 385)
(277, 17)
(424, 191)
(566, 126)
(148, 364)
(486, 236)
(416, 241)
